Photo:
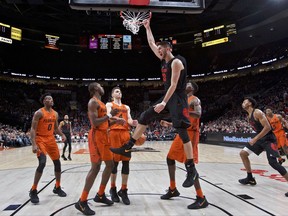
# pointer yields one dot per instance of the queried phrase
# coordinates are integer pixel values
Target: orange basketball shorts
(281, 139)
(99, 146)
(176, 151)
(117, 139)
(47, 145)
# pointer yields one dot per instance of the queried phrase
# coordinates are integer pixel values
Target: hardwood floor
(219, 168)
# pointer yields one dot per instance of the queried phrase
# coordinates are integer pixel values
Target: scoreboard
(110, 42)
(7, 33)
(216, 35)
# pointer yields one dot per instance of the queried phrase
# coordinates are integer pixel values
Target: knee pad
(275, 165)
(125, 167)
(57, 165)
(170, 162)
(42, 163)
(114, 170)
(183, 135)
(147, 116)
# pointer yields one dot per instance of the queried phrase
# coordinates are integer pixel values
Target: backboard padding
(171, 6)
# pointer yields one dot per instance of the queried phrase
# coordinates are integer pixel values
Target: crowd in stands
(221, 104)
(12, 137)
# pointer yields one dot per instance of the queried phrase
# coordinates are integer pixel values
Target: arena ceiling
(258, 22)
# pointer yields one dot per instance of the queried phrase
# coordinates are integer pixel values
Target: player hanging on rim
(176, 151)
(173, 103)
(264, 140)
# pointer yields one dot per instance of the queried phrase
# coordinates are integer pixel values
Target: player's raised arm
(150, 38)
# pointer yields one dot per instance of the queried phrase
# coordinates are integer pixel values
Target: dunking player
(174, 103)
(44, 124)
(66, 127)
(277, 123)
(98, 148)
(264, 140)
(119, 135)
(176, 151)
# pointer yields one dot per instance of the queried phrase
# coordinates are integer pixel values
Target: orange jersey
(123, 113)
(194, 121)
(275, 123)
(102, 111)
(46, 124)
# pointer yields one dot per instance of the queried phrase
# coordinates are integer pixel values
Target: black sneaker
(286, 194)
(33, 196)
(114, 195)
(64, 158)
(247, 180)
(123, 194)
(69, 157)
(84, 208)
(170, 193)
(125, 150)
(191, 176)
(281, 160)
(59, 191)
(199, 203)
(103, 199)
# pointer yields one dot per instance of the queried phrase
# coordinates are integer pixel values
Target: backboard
(160, 6)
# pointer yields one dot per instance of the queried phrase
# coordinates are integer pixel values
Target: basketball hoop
(134, 20)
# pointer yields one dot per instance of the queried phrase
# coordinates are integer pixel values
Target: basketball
(140, 141)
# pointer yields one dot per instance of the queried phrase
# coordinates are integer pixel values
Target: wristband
(109, 115)
(163, 103)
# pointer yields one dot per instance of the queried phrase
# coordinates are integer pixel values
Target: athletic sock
(249, 175)
(124, 187)
(189, 162)
(57, 184)
(199, 193)
(172, 185)
(113, 185)
(84, 196)
(34, 187)
(101, 189)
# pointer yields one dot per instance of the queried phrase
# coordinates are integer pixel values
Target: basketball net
(132, 21)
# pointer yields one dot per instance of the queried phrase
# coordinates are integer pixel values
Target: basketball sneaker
(286, 194)
(59, 191)
(191, 176)
(170, 193)
(84, 208)
(64, 158)
(281, 160)
(199, 203)
(69, 157)
(114, 195)
(125, 150)
(103, 199)
(123, 194)
(247, 180)
(33, 196)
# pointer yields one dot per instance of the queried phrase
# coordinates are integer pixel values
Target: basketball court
(220, 168)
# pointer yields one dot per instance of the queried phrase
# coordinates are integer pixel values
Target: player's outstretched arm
(150, 38)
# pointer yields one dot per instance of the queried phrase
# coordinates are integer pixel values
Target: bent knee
(243, 153)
